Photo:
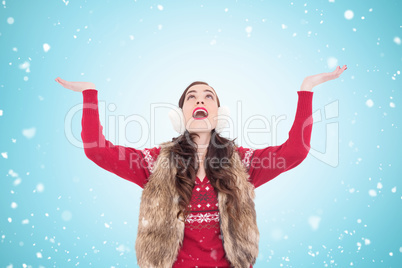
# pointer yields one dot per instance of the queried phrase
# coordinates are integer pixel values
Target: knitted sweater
(202, 244)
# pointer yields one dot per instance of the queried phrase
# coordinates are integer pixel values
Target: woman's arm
(265, 164)
(126, 162)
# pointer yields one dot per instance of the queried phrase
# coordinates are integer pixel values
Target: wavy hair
(222, 179)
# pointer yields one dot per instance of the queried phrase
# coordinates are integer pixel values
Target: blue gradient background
(341, 207)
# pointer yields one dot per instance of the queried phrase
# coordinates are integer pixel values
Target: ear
(223, 118)
(177, 118)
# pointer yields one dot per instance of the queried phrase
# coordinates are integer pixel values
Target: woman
(197, 206)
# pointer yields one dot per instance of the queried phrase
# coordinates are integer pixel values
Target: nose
(198, 102)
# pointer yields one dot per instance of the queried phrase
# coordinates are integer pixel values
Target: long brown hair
(221, 177)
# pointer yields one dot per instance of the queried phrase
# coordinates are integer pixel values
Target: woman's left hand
(313, 80)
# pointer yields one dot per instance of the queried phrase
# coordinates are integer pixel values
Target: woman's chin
(199, 130)
(200, 126)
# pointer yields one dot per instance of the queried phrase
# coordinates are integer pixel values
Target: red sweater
(202, 244)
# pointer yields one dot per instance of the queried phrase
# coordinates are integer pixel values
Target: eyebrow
(191, 91)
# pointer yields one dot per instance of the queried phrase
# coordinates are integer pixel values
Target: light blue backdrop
(341, 207)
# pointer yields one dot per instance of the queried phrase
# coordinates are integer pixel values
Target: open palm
(75, 86)
(314, 80)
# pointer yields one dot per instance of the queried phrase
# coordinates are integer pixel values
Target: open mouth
(200, 113)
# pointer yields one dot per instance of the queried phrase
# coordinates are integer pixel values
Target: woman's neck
(202, 143)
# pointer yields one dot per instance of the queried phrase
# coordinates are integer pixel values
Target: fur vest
(160, 233)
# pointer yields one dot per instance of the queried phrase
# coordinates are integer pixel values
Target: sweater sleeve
(126, 162)
(265, 164)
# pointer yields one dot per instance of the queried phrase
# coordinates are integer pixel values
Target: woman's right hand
(75, 86)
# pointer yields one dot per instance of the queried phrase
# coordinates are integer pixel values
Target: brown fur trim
(160, 233)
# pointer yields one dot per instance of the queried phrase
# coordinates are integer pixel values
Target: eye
(209, 95)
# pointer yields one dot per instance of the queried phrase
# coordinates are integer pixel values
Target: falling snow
(46, 47)
(29, 133)
(369, 103)
(60, 207)
(10, 20)
(348, 14)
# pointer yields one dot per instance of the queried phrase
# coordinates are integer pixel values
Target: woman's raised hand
(314, 80)
(75, 86)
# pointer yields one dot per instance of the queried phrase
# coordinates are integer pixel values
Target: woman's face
(200, 96)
